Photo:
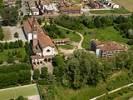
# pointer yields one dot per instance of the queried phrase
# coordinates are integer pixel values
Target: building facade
(107, 49)
(42, 46)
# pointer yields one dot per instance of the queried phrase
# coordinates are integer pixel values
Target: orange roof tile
(109, 45)
(43, 39)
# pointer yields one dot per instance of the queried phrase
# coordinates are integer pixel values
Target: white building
(43, 48)
(34, 11)
(51, 7)
(113, 5)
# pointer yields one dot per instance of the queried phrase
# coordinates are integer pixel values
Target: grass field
(128, 4)
(124, 94)
(105, 34)
(115, 80)
(69, 34)
(67, 46)
(114, 11)
(14, 92)
(84, 93)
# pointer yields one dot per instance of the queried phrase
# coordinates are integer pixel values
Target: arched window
(48, 50)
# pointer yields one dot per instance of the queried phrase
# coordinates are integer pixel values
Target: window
(48, 50)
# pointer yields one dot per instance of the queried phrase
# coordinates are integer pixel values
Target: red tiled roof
(43, 39)
(27, 25)
(110, 46)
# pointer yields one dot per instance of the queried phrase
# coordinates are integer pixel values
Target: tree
(16, 35)
(1, 33)
(130, 42)
(10, 58)
(44, 73)
(21, 98)
(36, 74)
(49, 93)
(26, 59)
(97, 22)
(8, 79)
(24, 76)
(82, 68)
(1, 47)
(9, 15)
(6, 45)
(120, 19)
(20, 43)
(15, 74)
(106, 21)
(59, 66)
(1, 61)
(87, 21)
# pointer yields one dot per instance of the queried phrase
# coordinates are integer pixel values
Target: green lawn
(114, 11)
(105, 34)
(14, 92)
(82, 94)
(4, 55)
(67, 46)
(70, 34)
(73, 37)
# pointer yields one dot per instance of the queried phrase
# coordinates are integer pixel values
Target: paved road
(113, 91)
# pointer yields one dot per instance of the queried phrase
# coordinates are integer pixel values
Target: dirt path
(81, 41)
(79, 46)
(113, 91)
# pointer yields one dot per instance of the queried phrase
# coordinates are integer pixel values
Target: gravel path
(113, 91)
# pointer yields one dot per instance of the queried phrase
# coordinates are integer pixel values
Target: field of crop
(14, 92)
(128, 4)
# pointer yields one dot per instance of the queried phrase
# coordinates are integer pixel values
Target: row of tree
(43, 77)
(11, 45)
(1, 33)
(11, 75)
(69, 22)
(77, 23)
